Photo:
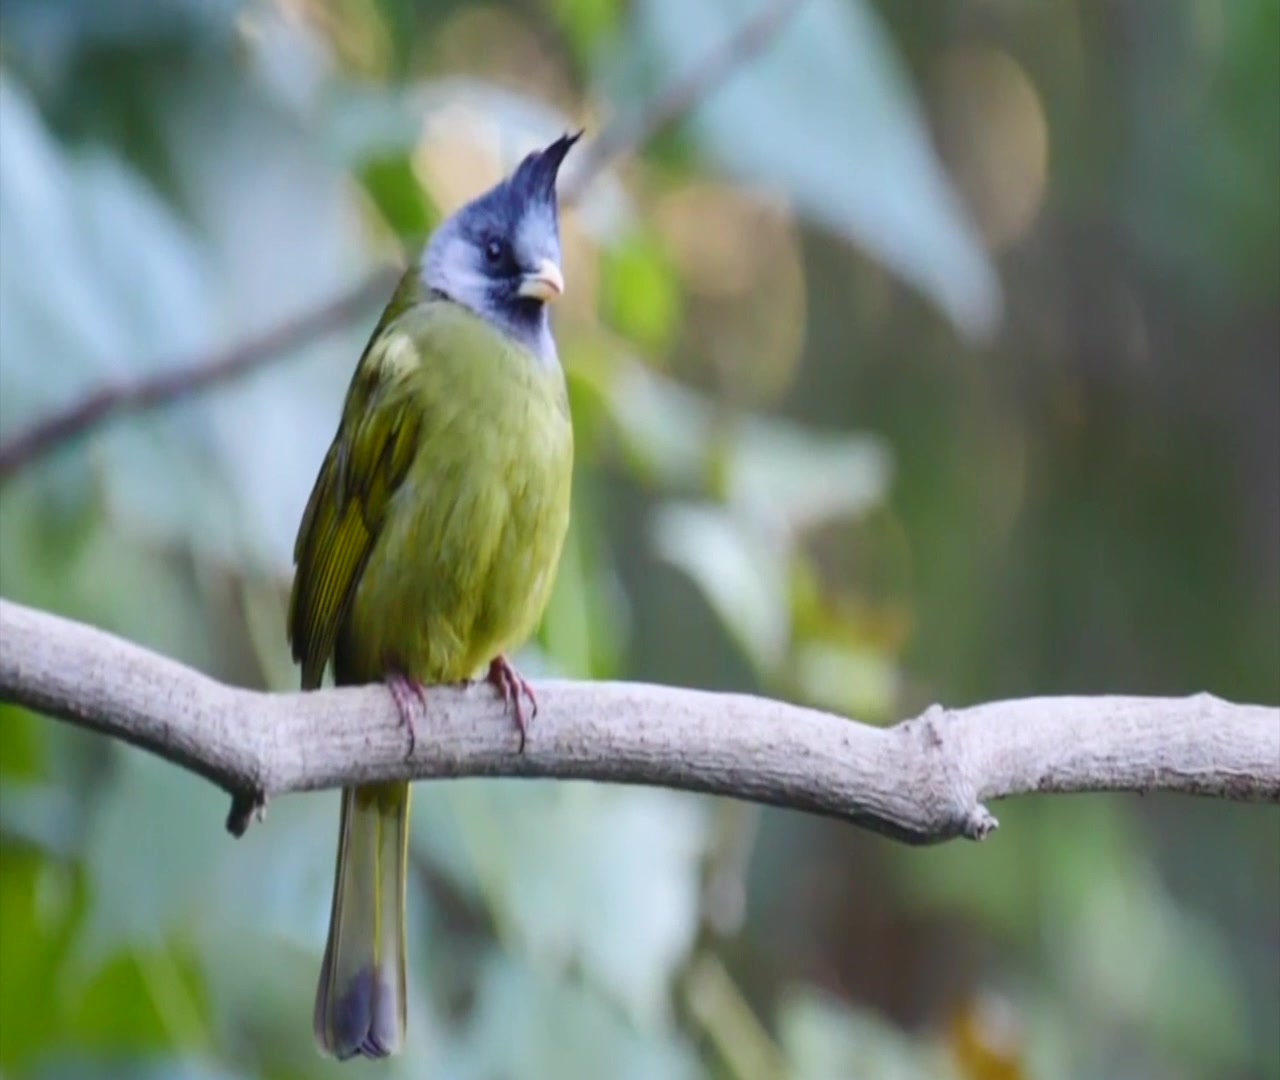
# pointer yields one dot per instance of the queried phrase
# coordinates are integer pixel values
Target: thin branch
(188, 377)
(627, 133)
(185, 378)
(922, 781)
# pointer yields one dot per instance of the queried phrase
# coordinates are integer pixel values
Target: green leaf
(225, 474)
(64, 219)
(857, 681)
(529, 1025)
(583, 627)
(150, 853)
(601, 879)
(1131, 952)
(827, 114)
(41, 813)
(739, 570)
(22, 750)
(777, 480)
(793, 478)
(586, 23)
(52, 34)
(784, 477)
(640, 296)
(73, 1067)
(151, 997)
(42, 902)
(824, 1039)
(395, 190)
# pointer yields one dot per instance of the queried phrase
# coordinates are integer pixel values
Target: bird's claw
(410, 697)
(513, 687)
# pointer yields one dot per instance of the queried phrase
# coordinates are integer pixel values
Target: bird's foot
(513, 687)
(410, 697)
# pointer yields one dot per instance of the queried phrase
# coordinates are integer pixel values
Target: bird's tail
(360, 1002)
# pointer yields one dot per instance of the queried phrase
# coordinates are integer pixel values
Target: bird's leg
(410, 697)
(512, 686)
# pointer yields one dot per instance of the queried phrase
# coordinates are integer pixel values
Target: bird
(430, 542)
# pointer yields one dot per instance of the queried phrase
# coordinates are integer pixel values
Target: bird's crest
(535, 176)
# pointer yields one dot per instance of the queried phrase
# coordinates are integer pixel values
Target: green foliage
(826, 1041)
(793, 477)
(826, 117)
(639, 295)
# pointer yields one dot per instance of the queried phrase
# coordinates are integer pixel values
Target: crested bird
(429, 545)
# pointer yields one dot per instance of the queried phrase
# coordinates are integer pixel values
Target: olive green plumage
(431, 539)
(430, 542)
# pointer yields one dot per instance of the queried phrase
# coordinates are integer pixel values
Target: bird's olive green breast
(464, 558)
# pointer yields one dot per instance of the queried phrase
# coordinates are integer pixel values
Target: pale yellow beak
(545, 283)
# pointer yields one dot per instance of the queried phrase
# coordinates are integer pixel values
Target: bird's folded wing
(367, 462)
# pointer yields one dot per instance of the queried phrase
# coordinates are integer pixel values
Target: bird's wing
(370, 455)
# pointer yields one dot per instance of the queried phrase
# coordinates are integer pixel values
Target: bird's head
(499, 255)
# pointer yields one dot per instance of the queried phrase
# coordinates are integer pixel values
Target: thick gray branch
(923, 780)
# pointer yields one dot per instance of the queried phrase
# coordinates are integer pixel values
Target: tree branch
(627, 133)
(922, 781)
(184, 378)
(188, 377)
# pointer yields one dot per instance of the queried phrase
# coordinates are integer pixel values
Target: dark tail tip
(363, 1019)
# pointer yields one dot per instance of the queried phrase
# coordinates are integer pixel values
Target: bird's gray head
(500, 254)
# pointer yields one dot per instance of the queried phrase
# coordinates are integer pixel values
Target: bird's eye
(495, 251)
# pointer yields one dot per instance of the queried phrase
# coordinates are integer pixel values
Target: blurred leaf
(986, 1039)
(795, 478)
(826, 1040)
(1201, 192)
(227, 474)
(827, 115)
(858, 681)
(1129, 949)
(64, 220)
(281, 245)
(728, 1023)
(41, 904)
(742, 574)
(778, 480)
(51, 34)
(528, 1024)
(22, 750)
(640, 296)
(149, 997)
(585, 23)
(601, 879)
(150, 852)
(41, 813)
(665, 427)
(583, 629)
(274, 883)
(1121, 944)
(288, 56)
(398, 195)
(72, 1067)
(783, 476)
(81, 567)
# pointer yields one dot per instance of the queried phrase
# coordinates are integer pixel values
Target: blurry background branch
(189, 377)
(627, 133)
(184, 378)
(921, 781)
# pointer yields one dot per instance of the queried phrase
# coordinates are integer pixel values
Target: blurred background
(932, 355)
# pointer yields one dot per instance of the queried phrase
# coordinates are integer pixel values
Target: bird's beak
(545, 283)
